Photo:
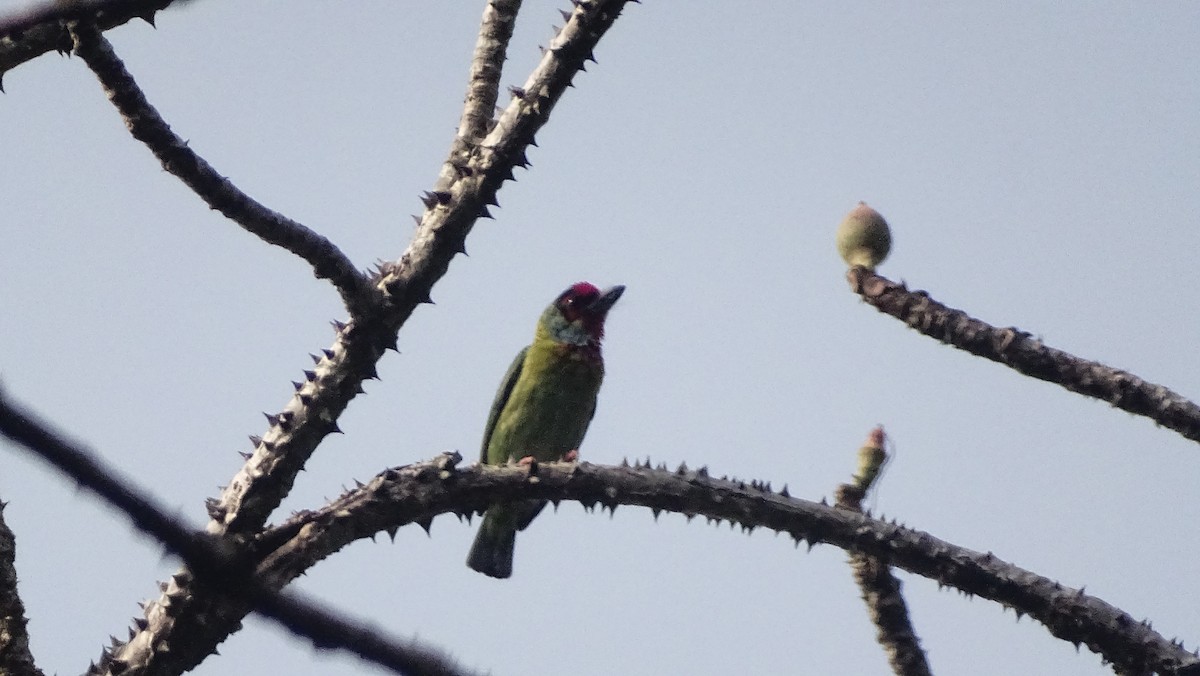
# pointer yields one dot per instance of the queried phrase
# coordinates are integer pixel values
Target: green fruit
(863, 237)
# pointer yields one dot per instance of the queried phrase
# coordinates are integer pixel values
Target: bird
(542, 410)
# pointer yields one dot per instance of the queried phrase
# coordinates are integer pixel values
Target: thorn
(491, 199)
(245, 455)
(255, 440)
(428, 199)
(148, 17)
(315, 358)
(591, 57)
(328, 353)
(214, 512)
(655, 511)
(784, 492)
(337, 326)
(297, 385)
(508, 175)
(334, 429)
(272, 419)
(522, 159)
(426, 523)
(484, 213)
(565, 14)
(310, 376)
(624, 462)
(416, 219)
(442, 197)
(533, 142)
(517, 92)
(391, 531)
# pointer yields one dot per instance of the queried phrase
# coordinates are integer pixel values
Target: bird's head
(577, 316)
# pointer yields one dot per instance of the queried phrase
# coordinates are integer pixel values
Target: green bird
(542, 410)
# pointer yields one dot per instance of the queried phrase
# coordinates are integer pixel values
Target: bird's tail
(492, 553)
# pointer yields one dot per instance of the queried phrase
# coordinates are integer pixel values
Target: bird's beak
(604, 303)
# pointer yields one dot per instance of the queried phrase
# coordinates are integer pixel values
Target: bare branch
(31, 32)
(452, 210)
(219, 566)
(880, 589)
(417, 493)
(147, 126)
(15, 658)
(294, 433)
(487, 64)
(1017, 350)
(280, 454)
(483, 88)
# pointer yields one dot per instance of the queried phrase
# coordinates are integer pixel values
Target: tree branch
(219, 566)
(147, 126)
(495, 30)
(1017, 350)
(15, 658)
(416, 493)
(280, 454)
(294, 433)
(880, 589)
(33, 31)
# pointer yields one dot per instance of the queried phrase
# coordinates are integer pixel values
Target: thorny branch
(217, 565)
(417, 493)
(31, 32)
(459, 199)
(15, 658)
(147, 126)
(487, 65)
(880, 589)
(1021, 352)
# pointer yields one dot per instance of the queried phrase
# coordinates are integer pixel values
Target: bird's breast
(548, 411)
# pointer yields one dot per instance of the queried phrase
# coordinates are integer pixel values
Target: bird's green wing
(506, 388)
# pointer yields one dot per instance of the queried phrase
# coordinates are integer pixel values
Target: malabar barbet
(542, 410)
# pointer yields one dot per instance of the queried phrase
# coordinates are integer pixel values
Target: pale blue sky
(1039, 166)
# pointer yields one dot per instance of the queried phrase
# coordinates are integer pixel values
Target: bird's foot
(571, 455)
